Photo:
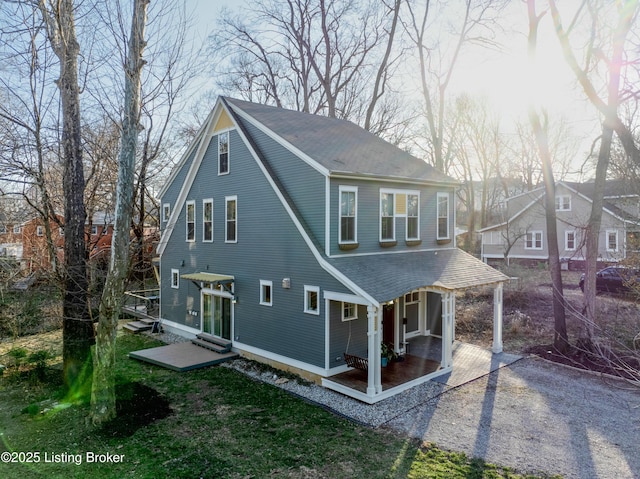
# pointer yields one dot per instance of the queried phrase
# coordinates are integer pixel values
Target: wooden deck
(181, 356)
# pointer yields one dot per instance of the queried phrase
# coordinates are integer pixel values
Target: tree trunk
(103, 400)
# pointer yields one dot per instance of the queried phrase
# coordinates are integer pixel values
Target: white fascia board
(535, 190)
(203, 144)
(453, 184)
(281, 141)
(242, 347)
(586, 198)
(493, 227)
(345, 298)
(317, 255)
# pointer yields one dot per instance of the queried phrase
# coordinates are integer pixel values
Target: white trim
(175, 284)
(269, 284)
(311, 289)
(227, 200)
(392, 193)
(327, 216)
(406, 232)
(442, 194)
(242, 347)
(349, 318)
(342, 297)
(566, 240)
(166, 212)
(186, 221)
(180, 329)
(341, 175)
(219, 134)
(393, 251)
(205, 202)
(559, 203)
(354, 190)
(533, 234)
(606, 239)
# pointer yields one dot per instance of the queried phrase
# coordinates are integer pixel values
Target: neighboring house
(10, 236)
(35, 254)
(523, 234)
(299, 238)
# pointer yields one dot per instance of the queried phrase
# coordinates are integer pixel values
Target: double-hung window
(207, 220)
(569, 240)
(413, 217)
(443, 215)
(533, 240)
(563, 203)
(231, 223)
(191, 220)
(387, 218)
(40, 231)
(348, 214)
(612, 241)
(166, 212)
(223, 153)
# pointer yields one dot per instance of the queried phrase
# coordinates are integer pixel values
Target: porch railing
(144, 301)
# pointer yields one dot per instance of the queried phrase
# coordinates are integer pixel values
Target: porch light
(234, 300)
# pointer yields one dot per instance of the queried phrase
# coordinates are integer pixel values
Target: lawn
(208, 423)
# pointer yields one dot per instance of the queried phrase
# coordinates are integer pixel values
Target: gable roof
(339, 147)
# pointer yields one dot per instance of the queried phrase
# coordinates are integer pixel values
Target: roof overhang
(214, 278)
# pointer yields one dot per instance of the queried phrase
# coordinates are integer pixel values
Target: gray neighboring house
(523, 235)
(299, 238)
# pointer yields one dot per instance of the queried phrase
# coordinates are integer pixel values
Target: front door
(388, 317)
(216, 315)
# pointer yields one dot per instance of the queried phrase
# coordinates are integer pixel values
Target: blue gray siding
(346, 336)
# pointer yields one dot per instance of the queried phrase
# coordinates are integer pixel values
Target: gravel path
(534, 416)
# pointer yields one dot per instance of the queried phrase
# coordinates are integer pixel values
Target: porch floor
(469, 362)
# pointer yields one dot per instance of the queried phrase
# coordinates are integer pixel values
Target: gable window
(349, 311)
(266, 288)
(563, 203)
(387, 219)
(175, 278)
(612, 241)
(348, 218)
(207, 220)
(40, 230)
(533, 240)
(413, 217)
(311, 294)
(570, 240)
(231, 219)
(166, 212)
(443, 215)
(191, 220)
(223, 153)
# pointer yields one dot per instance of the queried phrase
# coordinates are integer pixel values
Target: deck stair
(212, 343)
(144, 324)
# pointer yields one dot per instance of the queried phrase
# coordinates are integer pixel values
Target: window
(533, 240)
(563, 203)
(612, 240)
(570, 240)
(223, 153)
(443, 215)
(387, 220)
(348, 208)
(413, 217)
(40, 230)
(191, 220)
(3, 229)
(349, 311)
(175, 278)
(166, 212)
(413, 297)
(94, 230)
(266, 287)
(61, 231)
(16, 229)
(207, 220)
(311, 294)
(231, 222)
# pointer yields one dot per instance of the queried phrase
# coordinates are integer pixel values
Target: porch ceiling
(389, 276)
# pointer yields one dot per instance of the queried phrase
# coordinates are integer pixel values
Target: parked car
(614, 279)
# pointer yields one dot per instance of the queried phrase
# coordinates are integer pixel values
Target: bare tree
(612, 58)
(103, 388)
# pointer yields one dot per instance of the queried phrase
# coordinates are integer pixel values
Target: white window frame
(354, 190)
(227, 200)
(307, 291)
(226, 135)
(40, 230)
(534, 234)
(175, 278)
(609, 233)
(353, 315)
(264, 301)
(205, 203)
(94, 230)
(560, 204)
(566, 240)
(166, 212)
(417, 217)
(189, 203)
(16, 230)
(3, 229)
(446, 196)
(393, 215)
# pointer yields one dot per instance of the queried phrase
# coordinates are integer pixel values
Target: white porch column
(374, 350)
(497, 319)
(448, 321)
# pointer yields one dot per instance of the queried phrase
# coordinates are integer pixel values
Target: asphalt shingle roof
(339, 145)
(389, 276)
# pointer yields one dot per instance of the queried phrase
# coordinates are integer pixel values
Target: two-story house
(522, 236)
(299, 238)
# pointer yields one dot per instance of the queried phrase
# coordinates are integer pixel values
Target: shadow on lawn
(137, 406)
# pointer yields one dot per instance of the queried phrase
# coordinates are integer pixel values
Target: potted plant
(386, 354)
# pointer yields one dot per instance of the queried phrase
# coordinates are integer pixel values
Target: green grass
(222, 425)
